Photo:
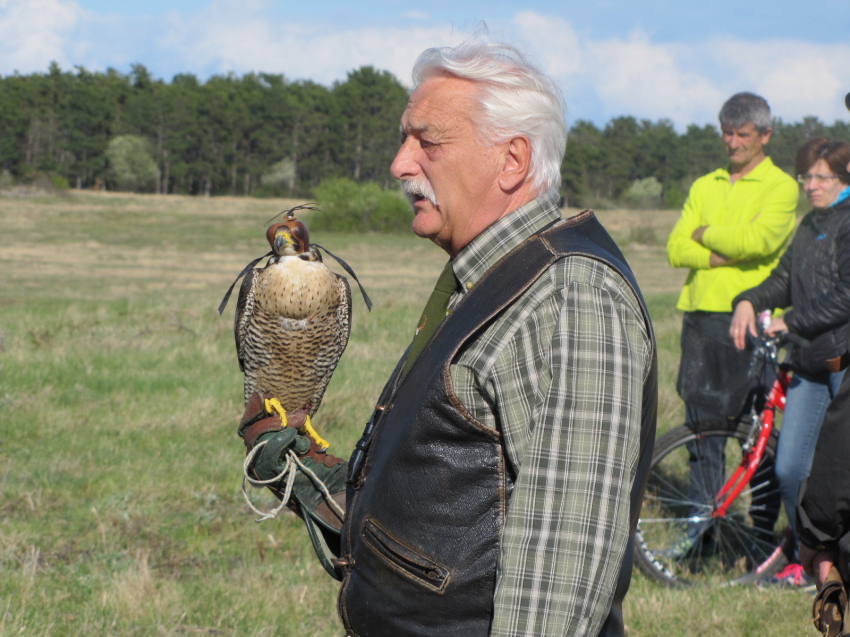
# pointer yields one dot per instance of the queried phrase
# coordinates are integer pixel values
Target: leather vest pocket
(412, 565)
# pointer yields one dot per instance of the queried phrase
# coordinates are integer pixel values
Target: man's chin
(426, 222)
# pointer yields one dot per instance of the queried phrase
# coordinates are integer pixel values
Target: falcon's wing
(244, 312)
(341, 331)
(343, 313)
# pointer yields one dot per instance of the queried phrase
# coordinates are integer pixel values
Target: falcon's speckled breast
(296, 289)
(292, 325)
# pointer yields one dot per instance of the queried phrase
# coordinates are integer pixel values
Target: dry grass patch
(136, 593)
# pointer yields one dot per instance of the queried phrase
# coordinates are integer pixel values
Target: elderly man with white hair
(497, 486)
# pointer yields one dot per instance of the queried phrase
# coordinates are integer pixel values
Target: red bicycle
(712, 500)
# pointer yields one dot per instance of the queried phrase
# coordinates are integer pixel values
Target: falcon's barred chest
(293, 319)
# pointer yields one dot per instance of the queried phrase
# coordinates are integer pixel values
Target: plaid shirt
(560, 375)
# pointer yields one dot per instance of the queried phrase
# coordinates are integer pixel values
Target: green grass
(120, 509)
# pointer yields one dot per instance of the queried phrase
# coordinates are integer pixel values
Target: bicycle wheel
(680, 539)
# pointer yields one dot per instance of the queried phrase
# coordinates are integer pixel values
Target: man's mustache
(417, 188)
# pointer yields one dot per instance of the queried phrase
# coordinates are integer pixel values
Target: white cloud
(557, 46)
(34, 33)
(227, 37)
(687, 82)
(644, 79)
(635, 75)
(797, 78)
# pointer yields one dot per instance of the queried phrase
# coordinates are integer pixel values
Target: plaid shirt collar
(503, 236)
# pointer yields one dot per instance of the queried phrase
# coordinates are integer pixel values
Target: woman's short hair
(516, 98)
(834, 152)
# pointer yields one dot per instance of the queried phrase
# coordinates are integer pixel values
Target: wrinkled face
(451, 173)
(744, 144)
(822, 186)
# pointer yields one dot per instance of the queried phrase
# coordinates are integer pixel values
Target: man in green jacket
(734, 227)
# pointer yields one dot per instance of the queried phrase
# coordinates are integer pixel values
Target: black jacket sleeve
(775, 290)
(830, 308)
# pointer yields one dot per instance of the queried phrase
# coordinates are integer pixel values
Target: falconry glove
(318, 489)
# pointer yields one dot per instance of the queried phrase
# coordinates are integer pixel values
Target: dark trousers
(719, 388)
(823, 513)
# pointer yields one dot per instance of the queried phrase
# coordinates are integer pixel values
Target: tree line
(604, 165)
(262, 134)
(222, 136)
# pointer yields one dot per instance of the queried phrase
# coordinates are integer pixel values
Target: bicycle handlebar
(784, 338)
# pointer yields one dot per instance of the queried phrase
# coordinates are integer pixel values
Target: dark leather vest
(428, 489)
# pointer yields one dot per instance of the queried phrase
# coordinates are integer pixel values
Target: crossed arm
(697, 245)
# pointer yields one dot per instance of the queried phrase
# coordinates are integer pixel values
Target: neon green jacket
(749, 221)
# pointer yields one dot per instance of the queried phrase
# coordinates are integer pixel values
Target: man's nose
(403, 166)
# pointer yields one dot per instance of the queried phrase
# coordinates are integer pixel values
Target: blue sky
(652, 59)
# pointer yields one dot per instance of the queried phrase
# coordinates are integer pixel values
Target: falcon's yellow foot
(273, 406)
(308, 427)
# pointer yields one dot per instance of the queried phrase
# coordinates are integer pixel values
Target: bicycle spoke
(672, 520)
(758, 487)
(663, 482)
(680, 538)
(686, 502)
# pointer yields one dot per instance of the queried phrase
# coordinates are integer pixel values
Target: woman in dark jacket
(823, 512)
(813, 278)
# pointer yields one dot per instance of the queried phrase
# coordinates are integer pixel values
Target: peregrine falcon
(292, 323)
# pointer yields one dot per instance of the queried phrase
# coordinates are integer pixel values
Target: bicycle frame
(752, 454)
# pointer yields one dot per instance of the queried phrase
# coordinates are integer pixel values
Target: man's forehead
(749, 127)
(437, 104)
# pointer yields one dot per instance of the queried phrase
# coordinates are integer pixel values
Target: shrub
(59, 183)
(347, 206)
(278, 181)
(6, 180)
(645, 193)
(44, 182)
(645, 234)
(674, 197)
(132, 163)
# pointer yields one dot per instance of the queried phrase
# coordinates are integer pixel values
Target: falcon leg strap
(293, 464)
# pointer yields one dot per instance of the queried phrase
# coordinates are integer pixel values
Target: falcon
(293, 319)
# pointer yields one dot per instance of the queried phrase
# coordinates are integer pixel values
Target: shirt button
(469, 285)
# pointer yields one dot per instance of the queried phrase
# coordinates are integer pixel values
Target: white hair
(516, 99)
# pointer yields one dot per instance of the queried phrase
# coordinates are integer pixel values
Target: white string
(322, 487)
(290, 468)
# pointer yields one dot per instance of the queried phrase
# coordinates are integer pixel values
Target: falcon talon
(323, 444)
(273, 407)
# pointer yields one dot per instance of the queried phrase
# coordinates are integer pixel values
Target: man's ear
(517, 161)
(765, 137)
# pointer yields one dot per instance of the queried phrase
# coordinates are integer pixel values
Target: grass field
(120, 510)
